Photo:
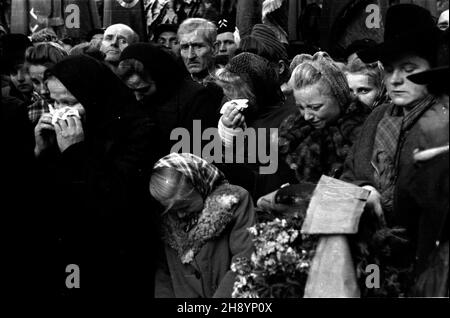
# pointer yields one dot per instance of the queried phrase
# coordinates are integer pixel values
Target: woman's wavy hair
(309, 70)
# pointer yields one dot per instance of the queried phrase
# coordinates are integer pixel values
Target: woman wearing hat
(422, 192)
(393, 132)
(204, 228)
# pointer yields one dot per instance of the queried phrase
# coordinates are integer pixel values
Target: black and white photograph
(225, 156)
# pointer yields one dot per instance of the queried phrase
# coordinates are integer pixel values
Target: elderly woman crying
(204, 228)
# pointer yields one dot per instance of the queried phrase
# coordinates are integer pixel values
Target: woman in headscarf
(96, 150)
(204, 228)
(251, 77)
(366, 82)
(161, 86)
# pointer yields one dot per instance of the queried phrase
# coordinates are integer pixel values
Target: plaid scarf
(388, 143)
(204, 177)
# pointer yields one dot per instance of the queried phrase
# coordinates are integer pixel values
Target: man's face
(226, 44)
(402, 91)
(115, 40)
(169, 40)
(197, 54)
(21, 79)
(37, 77)
(443, 21)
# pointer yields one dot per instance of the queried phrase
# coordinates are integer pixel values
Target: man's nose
(191, 53)
(222, 48)
(115, 41)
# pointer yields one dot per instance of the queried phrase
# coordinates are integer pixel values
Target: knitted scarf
(388, 143)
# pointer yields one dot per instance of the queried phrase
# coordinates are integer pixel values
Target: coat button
(197, 275)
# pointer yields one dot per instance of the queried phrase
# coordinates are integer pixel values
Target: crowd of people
(92, 180)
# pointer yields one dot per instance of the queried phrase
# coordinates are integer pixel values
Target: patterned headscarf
(331, 74)
(204, 177)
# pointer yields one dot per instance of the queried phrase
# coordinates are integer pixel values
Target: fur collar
(217, 213)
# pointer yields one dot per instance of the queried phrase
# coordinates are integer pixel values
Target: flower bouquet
(279, 266)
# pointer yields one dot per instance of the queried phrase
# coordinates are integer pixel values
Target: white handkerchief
(239, 104)
(63, 113)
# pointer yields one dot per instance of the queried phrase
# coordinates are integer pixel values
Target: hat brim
(424, 45)
(385, 51)
(437, 74)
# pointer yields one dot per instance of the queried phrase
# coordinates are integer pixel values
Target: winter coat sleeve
(163, 281)
(358, 168)
(205, 106)
(350, 174)
(241, 243)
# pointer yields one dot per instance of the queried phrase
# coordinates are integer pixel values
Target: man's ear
(282, 67)
(215, 48)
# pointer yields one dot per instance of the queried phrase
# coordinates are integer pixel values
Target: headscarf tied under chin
(96, 87)
(204, 177)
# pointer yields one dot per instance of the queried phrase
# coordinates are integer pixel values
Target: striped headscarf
(204, 176)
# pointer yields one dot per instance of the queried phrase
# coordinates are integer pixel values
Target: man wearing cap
(226, 42)
(395, 131)
(166, 36)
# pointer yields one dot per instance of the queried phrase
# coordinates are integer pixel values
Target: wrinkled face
(61, 97)
(188, 203)
(115, 40)
(226, 44)
(316, 105)
(197, 54)
(363, 88)
(401, 90)
(169, 40)
(21, 79)
(37, 77)
(141, 87)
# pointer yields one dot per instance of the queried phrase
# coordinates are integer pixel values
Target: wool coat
(201, 268)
